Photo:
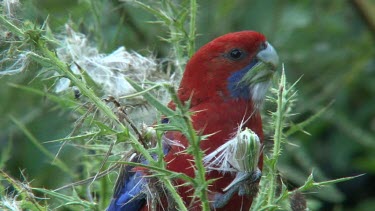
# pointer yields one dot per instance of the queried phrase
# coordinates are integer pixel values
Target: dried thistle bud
(245, 151)
(298, 201)
(149, 134)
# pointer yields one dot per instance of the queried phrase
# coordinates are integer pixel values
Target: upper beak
(269, 56)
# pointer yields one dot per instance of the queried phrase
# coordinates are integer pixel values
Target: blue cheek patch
(236, 89)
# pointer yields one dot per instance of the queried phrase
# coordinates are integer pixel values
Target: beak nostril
(263, 46)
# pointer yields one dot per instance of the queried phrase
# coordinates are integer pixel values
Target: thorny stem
(182, 40)
(180, 203)
(10, 26)
(168, 112)
(196, 151)
(192, 29)
(177, 49)
(24, 190)
(277, 141)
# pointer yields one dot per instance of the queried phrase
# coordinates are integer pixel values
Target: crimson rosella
(225, 82)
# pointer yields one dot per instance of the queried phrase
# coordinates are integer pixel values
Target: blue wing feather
(129, 191)
(129, 195)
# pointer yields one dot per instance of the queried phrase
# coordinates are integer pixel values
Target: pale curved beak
(269, 56)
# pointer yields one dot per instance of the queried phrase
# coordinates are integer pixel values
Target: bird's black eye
(263, 46)
(236, 54)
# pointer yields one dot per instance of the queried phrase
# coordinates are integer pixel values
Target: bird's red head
(225, 68)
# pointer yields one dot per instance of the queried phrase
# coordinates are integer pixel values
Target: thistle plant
(107, 86)
(272, 194)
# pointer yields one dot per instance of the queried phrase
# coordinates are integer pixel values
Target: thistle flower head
(239, 154)
(149, 135)
(245, 151)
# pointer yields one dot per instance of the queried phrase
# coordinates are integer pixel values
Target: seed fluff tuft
(107, 70)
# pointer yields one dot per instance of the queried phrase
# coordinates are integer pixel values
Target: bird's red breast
(222, 120)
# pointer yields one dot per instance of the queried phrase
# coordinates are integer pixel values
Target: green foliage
(175, 17)
(58, 139)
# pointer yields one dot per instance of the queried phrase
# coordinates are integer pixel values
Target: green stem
(161, 165)
(24, 192)
(277, 142)
(192, 29)
(172, 190)
(10, 26)
(198, 160)
(194, 140)
(175, 31)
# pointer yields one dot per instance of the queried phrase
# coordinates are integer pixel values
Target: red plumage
(205, 83)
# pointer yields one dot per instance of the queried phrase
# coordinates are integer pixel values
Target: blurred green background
(330, 44)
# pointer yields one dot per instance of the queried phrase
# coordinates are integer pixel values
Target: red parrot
(225, 81)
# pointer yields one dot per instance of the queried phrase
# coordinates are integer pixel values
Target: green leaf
(5, 152)
(64, 102)
(67, 200)
(55, 161)
(310, 183)
(300, 126)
